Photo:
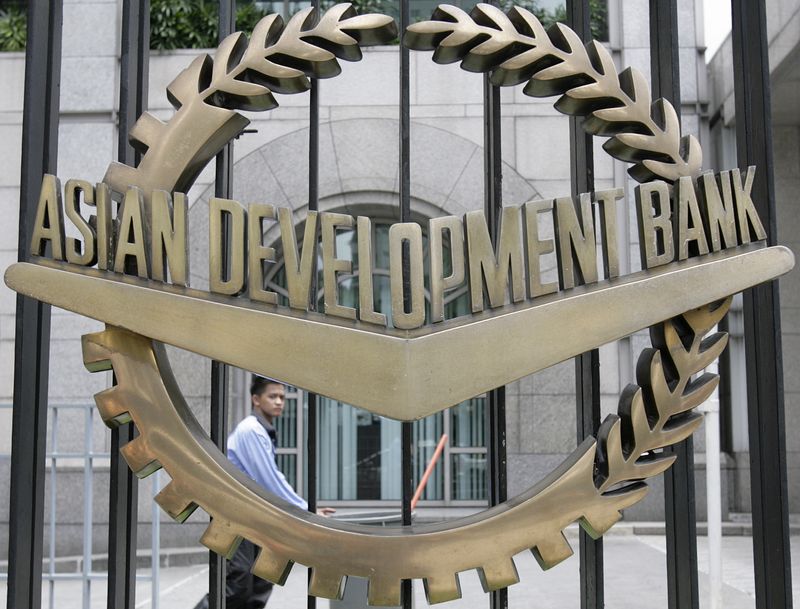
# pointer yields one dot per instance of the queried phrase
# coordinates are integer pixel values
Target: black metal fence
(765, 398)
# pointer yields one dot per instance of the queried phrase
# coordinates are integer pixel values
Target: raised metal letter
(440, 283)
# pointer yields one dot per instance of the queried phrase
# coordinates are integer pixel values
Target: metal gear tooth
(499, 575)
(174, 503)
(442, 588)
(111, 408)
(221, 537)
(272, 567)
(141, 461)
(383, 591)
(326, 583)
(119, 176)
(598, 522)
(145, 132)
(601, 519)
(552, 551)
(96, 355)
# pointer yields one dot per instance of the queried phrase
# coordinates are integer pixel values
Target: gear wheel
(170, 437)
(591, 486)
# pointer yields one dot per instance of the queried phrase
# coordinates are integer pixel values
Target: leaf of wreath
(657, 412)
(282, 58)
(242, 75)
(516, 48)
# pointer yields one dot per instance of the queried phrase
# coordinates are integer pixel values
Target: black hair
(259, 383)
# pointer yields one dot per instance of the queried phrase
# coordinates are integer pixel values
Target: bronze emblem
(700, 238)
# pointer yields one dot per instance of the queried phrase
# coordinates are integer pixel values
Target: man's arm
(255, 456)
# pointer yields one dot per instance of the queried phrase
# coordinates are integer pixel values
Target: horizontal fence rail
(95, 463)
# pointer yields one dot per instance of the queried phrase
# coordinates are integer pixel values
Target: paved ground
(634, 566)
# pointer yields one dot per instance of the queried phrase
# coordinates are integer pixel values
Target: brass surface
(241, 76)
(299, 265)
(130, 254)
(48, 227)
(607, 205)
(105, 230)
(399, 235)
(403, 375)
(332, 266)
(439, 283)
(750, 227)
(654, 220)
(536, 248)
(515, 48)
(169, 238)
(79, 251)
(718, 206)
(577, 252)
(226, 278)
(366, 298)
(258, 253)
(407, 374)
(689, 231)
(201, 477)
(490, 270)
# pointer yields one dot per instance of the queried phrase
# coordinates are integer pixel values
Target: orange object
(429, 470)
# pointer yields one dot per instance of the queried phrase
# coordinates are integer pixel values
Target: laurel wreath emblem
(516, 48)
(600, 478)
(279, 57)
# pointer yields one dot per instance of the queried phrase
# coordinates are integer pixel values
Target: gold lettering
(689, 222)
(80, 251)
(538, 248)
(169, 248)
(655, 225)
(719, 212)
(750, 227)
(577, 245)
(440, 283)
(131, 249)
(104, 225)
(224, 213)
(331, 265)
(49, 223)
(259, 253)
(607, 202)
(494, 269)
(413, 316)
(298, 268)
(366, 300)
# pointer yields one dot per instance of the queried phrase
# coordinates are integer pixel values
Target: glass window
(469, 476)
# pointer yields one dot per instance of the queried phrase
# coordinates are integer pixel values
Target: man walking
(251, 448)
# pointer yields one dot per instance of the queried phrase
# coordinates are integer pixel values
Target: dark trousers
(243, 590)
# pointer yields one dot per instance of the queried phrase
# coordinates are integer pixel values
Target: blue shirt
(250, 448)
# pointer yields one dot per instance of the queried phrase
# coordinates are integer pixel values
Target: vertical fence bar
(32, 338)
(88, 466)
(587, 365)
(762, 321)
(313, 205)
(223, 187)
(53, 503)
(407, 434)
(155, 544)
(496, 398)
(679, 479)
(133, 82)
